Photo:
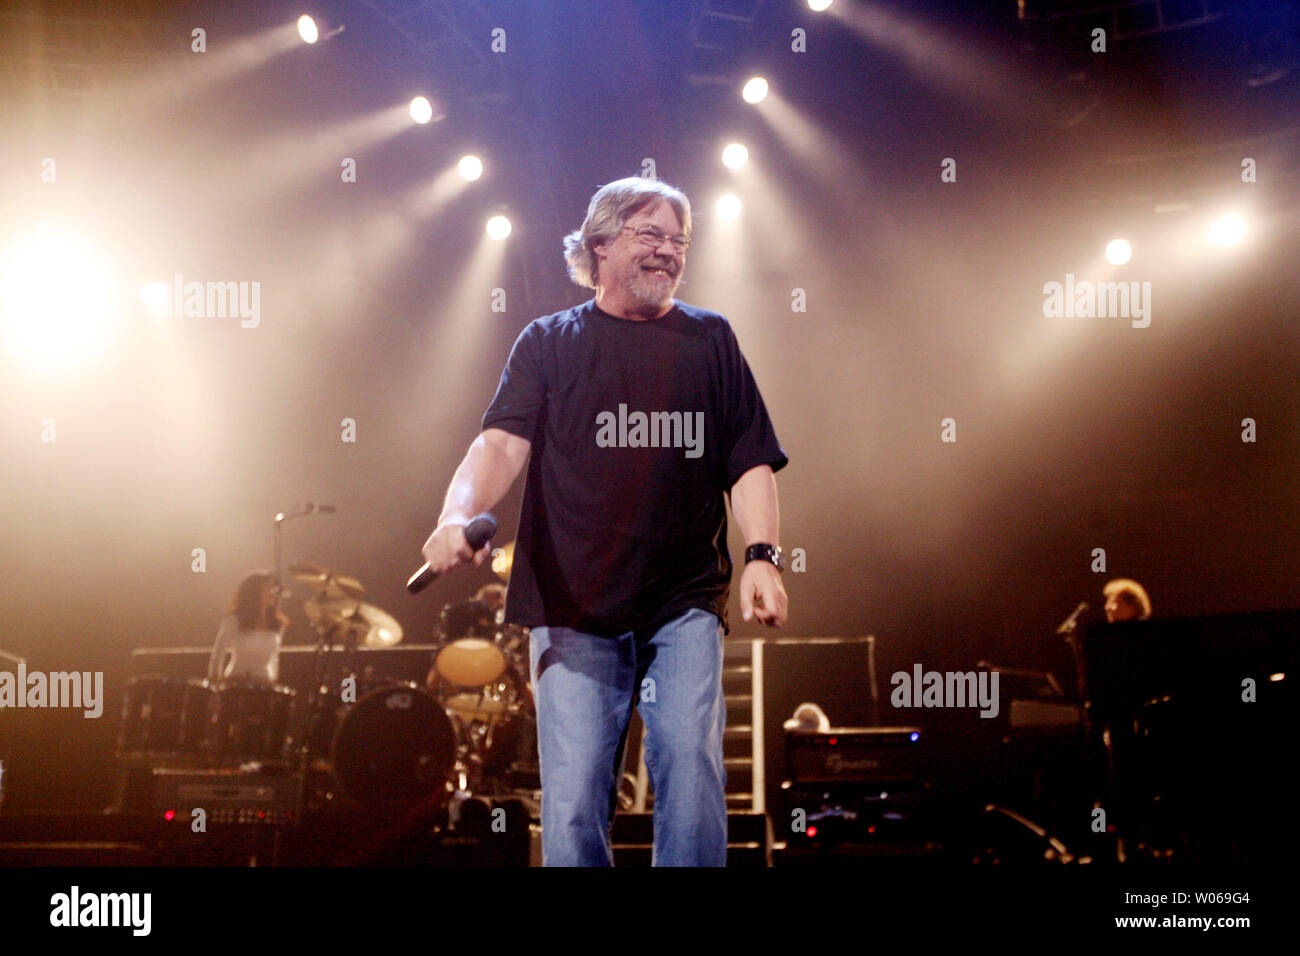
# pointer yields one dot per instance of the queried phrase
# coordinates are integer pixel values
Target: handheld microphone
(477, 533)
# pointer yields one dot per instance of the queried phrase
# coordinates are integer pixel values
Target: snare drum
(165, 717)
(471, 661)
(472, 650)
(394, 747)
(251, 721)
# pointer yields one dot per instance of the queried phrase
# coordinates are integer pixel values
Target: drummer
(494, 596)
(248, 641)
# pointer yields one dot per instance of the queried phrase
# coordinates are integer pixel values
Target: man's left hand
(762, 594)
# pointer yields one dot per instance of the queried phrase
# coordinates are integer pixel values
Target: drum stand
(327, 683)
(473, 742)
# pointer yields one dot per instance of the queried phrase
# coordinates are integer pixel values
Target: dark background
(924, 302)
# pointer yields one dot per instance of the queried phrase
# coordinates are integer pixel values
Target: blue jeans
(585, 687)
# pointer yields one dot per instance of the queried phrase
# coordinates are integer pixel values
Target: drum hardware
(165, 718)
(251, 723)
(326, 584)
(394, 748)
(342, 623)
(471, 649)
(486, 733)
(479, 676)
(170, 722)
(356, 623)
(475, 669)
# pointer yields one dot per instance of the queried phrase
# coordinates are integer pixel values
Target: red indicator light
(169, 815)
(832, 741)
(812, 831)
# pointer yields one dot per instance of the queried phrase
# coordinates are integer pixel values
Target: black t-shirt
(637, 430)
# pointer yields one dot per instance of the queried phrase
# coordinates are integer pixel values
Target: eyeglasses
(652, 237)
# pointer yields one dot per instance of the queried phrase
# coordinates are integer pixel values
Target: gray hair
(1132, 590)
(612, 206)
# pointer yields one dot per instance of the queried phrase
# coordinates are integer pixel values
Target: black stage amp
(227, 796)
(859, 787)
(864, 754)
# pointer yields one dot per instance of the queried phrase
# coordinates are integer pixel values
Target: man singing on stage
(640, 412)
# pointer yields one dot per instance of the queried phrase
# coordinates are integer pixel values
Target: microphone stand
(278, 558)
(1069, 630)
(303, 752)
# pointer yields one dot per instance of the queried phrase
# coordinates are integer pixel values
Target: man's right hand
(447, 549)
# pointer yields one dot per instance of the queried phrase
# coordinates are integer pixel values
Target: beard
(646, 290)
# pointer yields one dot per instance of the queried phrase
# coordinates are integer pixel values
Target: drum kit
(358, 739)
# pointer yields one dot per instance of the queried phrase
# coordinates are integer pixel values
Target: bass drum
(393, 748)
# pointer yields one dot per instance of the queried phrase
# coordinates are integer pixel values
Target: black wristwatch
(765, 552)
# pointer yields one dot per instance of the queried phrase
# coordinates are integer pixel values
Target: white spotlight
(1227, 231)
(735, 156)
(307, 29)
(57, 298)
(818, 5)
(728, 206)
(470, 168)
(498, 227)
(755, 90)
(1118, 252)
(421, 110)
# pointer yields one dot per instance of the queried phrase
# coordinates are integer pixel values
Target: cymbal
(371, 626)
(502, 560)
(323, 581)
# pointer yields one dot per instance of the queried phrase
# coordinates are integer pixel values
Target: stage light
(755, 90)
(1118, 252)
(734, 156)
(728, 206)
(157, 299)
(1227, 231)
(470, 168)
(421, 110)
(818, 5)
(57, 298)
(498, 227)
(307, 29)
